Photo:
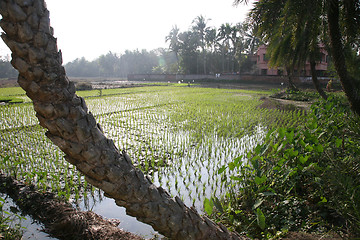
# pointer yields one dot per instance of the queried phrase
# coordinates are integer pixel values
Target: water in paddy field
(181, 149)
(192, 176)
(107, 208)
(32, 229)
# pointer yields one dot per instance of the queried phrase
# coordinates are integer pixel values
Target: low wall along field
(226, 78)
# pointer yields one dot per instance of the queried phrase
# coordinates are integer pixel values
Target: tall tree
(307, 42)
(108, 64)
(73, 128)
(200, 29)
(228, 35)
(224, 36)
(252, 42)
(189, 55)
(81, 67)
(174, 44)
(303, 29)
(240, 44)
(350, 84)
(342, 19)
(212, 45)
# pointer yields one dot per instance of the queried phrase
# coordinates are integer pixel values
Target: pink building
(262, 63)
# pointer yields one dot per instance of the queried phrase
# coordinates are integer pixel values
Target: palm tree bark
(74, 130)
(315, 79)
(349, 84)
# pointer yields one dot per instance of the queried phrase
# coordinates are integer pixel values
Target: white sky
(90, 28)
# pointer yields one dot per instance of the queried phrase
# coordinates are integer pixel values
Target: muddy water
(32, 229)
(192, 177)
(108, 209)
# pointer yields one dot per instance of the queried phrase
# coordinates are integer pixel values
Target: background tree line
(114, 65)
(6, 69)
(201, 49)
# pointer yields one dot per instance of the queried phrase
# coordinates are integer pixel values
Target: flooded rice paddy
(179, 136)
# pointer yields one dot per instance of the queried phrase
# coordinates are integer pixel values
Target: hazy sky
(89, 28)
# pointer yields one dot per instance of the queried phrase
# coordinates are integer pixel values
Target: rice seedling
(179, 136)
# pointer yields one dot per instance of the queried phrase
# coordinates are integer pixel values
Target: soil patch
(282, 104)
(59, 218)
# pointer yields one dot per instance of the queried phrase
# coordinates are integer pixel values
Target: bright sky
(90, 28)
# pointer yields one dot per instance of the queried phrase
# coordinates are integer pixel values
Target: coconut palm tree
(339, 21)
(188, 51)
(210, 39)
(200, 28)
(225, 36)
(175, 44)
(295, 40)
(252, 42)
(74, 129)
(211, 44)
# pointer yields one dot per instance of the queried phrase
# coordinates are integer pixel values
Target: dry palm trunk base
(73, 129)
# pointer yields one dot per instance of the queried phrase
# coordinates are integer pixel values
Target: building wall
(262, 63)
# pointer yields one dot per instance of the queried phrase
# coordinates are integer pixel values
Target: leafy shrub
(295, 95)
(83, 86)
(304, 178)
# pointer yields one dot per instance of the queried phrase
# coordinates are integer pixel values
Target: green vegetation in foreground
(303, 178)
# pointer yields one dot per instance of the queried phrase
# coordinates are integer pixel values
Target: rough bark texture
(349, 84)
(70, 126)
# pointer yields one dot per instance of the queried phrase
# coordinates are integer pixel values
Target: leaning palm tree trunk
(74, 130)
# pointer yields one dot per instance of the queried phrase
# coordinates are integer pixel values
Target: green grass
(11, 100)
(11, 91)
(13, 95)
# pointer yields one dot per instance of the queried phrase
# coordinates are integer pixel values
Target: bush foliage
(302, 178)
